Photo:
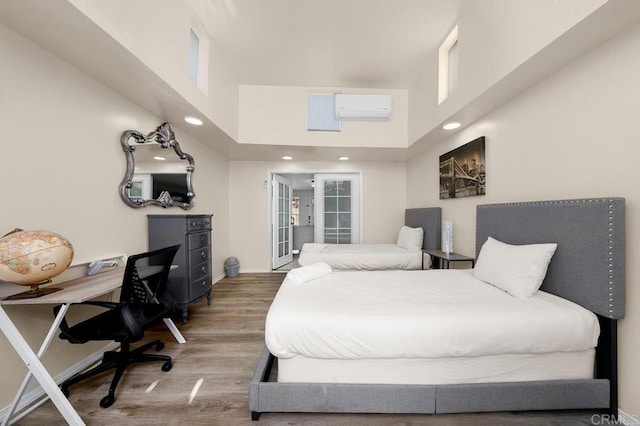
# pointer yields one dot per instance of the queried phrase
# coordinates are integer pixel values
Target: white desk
(75, 291)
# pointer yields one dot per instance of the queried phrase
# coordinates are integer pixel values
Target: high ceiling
(355, 43)
(381, 44)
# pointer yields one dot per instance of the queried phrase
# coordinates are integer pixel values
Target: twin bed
(373, 257)
(444, 341)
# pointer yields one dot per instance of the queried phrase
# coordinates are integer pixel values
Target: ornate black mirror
(154, 175)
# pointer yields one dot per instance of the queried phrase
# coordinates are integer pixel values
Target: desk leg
(43, 348)
(174, 330)
(37, 369)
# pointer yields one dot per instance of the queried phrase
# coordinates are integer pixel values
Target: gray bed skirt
(267, 395)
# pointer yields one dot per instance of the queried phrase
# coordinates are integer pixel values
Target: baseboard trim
(627, 419)
(218, 278)
(33, 399)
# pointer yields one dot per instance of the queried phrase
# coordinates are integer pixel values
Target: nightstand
(441, 258)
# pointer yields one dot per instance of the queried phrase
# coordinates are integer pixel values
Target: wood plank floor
(224, 342)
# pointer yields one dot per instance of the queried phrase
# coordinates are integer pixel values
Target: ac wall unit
(362, 106)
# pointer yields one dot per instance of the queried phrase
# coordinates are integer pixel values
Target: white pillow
(410, 238)
(518, 270)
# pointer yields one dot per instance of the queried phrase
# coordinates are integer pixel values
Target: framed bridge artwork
(462, 171)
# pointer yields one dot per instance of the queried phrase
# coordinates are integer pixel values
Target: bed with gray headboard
(587, 269)
(375, 257)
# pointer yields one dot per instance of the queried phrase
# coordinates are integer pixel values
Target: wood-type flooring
(224, 342)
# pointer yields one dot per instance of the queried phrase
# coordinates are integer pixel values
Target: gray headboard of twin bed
(588, 265)
(430, 220)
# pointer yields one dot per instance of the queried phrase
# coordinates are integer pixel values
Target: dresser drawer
(199, 239)
(199, 255)
(200, 286)
(198, 223)
(200, 270)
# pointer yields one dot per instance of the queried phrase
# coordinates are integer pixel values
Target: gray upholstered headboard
(429, 219)
(588, 266)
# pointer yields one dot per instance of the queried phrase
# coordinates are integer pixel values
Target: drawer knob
(203, 254)
(204, 269)
(204, 283)
(203, 237)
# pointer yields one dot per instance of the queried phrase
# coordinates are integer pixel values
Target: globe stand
(34, 292)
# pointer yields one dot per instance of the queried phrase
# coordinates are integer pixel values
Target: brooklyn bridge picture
(462, 171)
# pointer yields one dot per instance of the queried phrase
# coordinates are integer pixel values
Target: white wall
(495, 37)
(158, 34)
(61, 167)
(278, 115)
(572, 136)
(383, 209)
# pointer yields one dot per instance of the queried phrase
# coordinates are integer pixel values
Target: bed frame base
(267, 395)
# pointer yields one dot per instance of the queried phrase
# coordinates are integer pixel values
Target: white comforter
(419, 314)
(363, 256)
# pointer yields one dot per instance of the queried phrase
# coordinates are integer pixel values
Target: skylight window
(194, 54)
(448, 65)
(199, 57)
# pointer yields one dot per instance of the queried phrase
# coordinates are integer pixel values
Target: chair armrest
(64, 326)
(131, 323)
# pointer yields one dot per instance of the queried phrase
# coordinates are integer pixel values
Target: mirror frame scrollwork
(165, 138)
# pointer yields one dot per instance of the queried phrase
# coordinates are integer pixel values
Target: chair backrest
(146, 278)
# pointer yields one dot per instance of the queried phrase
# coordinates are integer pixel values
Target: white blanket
(363, 256)
(419, 314)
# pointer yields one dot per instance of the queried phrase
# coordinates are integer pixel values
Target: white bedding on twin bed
(420, 314)
(365, 257)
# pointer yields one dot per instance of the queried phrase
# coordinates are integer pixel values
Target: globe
(33, 257)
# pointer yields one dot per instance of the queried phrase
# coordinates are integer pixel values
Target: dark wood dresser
(191, 281)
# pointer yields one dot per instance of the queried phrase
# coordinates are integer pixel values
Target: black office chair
(144, 302)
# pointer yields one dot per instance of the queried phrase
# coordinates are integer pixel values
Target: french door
(337, 208)
(282, 222)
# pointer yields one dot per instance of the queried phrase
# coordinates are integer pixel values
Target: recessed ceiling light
(451, 125)
(159, 158)
(193, 120)
(343, 158)
(287, 157)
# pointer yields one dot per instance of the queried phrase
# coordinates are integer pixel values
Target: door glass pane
(344, 237)
(344, 220)
(331, 236)
(280, 250)
(330, 220)
(286, 247)
(280, 219)
(344, 187)
(344, 204)
(330, 187)
(330, 204)
(286, 234)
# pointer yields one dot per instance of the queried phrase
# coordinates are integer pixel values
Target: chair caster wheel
(107, 401)
(65, 392)
(160, 346)
(167, 366)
